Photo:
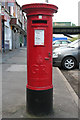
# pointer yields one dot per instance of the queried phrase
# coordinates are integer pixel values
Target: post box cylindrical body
(39, 57)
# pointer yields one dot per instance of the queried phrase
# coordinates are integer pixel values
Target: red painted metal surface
(39, 45)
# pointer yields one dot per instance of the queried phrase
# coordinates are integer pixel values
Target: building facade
(12, 22)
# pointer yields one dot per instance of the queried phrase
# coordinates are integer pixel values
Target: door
(40, 61)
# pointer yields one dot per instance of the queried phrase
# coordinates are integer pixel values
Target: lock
(49, 54)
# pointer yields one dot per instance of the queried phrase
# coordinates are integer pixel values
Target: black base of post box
(39, 102)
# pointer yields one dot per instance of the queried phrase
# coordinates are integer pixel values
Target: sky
(67, 9)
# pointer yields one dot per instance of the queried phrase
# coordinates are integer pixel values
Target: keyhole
(49, 55)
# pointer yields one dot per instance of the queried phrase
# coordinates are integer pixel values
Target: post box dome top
(39, 8)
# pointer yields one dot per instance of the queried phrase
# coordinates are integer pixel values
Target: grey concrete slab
(14, 92)
(17, 60)
(17, 68)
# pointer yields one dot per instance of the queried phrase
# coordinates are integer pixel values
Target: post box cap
(39, 8)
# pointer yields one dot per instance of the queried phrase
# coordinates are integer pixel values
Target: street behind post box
(14, 90)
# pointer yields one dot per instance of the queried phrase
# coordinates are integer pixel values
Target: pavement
(0, 86)
(73, 78)
(14, 79)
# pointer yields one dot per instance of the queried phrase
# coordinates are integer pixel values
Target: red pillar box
(39, 57)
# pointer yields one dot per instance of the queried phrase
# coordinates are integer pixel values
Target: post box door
(40, 64)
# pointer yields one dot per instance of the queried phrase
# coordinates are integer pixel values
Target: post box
(39, 57)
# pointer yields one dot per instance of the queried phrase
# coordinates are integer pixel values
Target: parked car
(59, 43)
(67, 57)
